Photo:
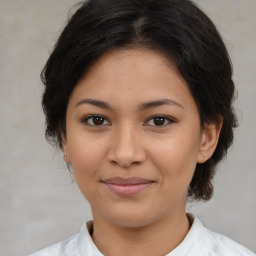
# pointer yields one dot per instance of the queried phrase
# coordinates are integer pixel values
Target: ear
(209, 140)
(66, 156)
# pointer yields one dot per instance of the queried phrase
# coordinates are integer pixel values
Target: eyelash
(90, 117)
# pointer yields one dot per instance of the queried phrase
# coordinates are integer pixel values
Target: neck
(159, 238)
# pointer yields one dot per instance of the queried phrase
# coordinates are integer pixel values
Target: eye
(159, 121)
(95, 120)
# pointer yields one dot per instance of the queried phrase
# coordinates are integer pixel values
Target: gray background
(39, 204)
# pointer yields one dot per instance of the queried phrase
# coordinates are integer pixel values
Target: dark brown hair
(176, 28)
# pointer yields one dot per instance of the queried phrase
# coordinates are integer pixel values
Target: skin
(130, 143)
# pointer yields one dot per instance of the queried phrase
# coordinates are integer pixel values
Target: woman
(138, 95)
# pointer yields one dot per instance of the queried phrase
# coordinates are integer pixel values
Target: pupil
(98, 120)
(159, 120)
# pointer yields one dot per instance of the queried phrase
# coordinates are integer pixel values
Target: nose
(126, 147)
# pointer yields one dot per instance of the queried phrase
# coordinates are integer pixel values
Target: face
(133, 137)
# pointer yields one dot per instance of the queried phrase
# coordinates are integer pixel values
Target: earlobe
(209, 141)
(66, 158)
(65, 149)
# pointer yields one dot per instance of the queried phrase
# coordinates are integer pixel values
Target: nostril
(125, 165)
(126, 153)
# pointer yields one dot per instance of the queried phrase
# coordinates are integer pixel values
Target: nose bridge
(126, 137)
(127, 146)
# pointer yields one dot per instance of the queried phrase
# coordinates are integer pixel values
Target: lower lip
(128, 190)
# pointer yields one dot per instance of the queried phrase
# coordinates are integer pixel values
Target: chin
(130, 222)
(129, 218)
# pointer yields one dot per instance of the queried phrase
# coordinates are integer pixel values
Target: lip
(127, 186)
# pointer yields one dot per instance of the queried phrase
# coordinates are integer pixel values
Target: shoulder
(79, 244)
(201, 241)
(64, 248)
(221, 245)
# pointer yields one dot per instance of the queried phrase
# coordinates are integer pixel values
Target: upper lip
(126, 181)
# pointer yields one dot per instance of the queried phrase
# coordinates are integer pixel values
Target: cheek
(86, 156)
(176, 156)
(86, 159)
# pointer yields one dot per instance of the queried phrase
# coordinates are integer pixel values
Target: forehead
(145, 59)
(133, 75)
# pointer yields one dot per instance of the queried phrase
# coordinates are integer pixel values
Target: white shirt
(198, 242)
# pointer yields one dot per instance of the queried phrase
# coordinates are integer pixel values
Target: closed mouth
(127, 186)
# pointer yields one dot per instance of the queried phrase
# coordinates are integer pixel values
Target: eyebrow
(97, 103)
(143, 106)
(156, 103)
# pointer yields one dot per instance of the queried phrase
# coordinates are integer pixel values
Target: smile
(127, 186)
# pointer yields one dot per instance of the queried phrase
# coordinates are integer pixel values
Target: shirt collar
(191, 245)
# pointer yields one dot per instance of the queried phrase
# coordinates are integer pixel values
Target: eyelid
(170, 119)
(86, 118)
